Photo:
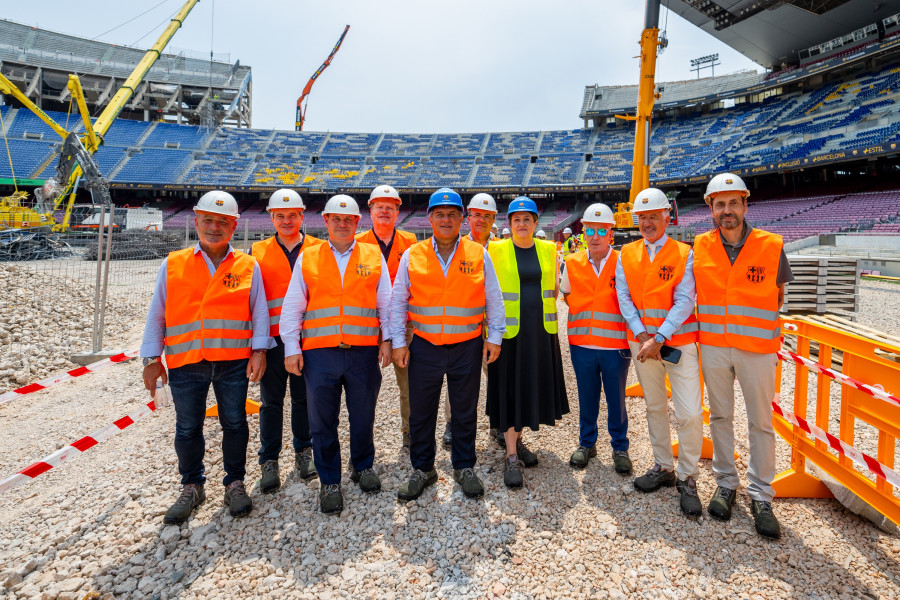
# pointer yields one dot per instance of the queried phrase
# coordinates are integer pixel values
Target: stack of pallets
(822, 284)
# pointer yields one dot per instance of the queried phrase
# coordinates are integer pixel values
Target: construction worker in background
(597, 339)
(505, 235)
(339, 301)
(568, 245)
(445, 285)
(655, 286)
(209, 314)
(740, 272)
(541, 235)
(276, 257)
(384, 208)
(495, 233)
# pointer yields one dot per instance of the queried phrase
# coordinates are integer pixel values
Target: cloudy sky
(406, 66)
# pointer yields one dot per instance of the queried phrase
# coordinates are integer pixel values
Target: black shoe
(582, 456)
(719, 506)
(270, 481)
(764, 519)
(654, 479)
(447, 438)
(622, 462)
(192, 496)
(331, 500)
(237, 500)
(512, 472)
(405, 440)
(418, 481)
(528, 458)
(469, 482)
(367, 479)
(690, 502)
(305, 465)
(497, 436)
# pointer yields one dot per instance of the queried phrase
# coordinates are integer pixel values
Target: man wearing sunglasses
(597, 339)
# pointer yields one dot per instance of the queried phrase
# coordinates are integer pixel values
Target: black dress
(526, 385)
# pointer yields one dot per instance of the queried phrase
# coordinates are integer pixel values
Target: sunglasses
(590, 231)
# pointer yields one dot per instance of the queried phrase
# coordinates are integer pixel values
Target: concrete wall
(865, 242)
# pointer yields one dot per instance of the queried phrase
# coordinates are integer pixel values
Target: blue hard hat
(445, 197)
(522, 204)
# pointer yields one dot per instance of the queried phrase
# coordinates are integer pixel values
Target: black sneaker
(237, 500)
(512, 472)
(418, 481)
(764, 519)
(331, 500)
(367, 479)
(582, 456)
(305, 465)
(690, 502)
(654, 479)
(528, 458)
(270, 481)
(447, 438)
(497, 436)
(719, 506)
(469, 482)
(622, 462)
(192, 496)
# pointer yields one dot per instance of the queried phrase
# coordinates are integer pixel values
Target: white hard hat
(541, 234)
(649, 200)
(218, 202)
(567, 230)
(599, 213)
(483, 202)
(505, 230)
(285, 198)
(341, 205)
(726, 182)
(385, 192)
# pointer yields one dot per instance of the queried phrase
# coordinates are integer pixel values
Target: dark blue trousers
(328, 372)
(595, 370)
(190, 387)
(428, 364)
(272, 387)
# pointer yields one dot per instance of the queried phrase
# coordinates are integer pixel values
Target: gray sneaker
(689, 502)
(270, 481)
(719, 506)
(331, 500)
(469, 482)
(582, 456)
(305, 465)
(237, 500)
(654, 479)
(622, 462)
(367, 479)
(512, 472)
(192, 496)
(418, 481)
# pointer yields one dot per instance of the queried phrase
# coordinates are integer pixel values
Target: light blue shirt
(155, 326)
(496, 312)
(297, 299)
(684, 295)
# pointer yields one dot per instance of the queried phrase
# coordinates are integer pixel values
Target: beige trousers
(755, 373)
(402, 374)
(685, 381)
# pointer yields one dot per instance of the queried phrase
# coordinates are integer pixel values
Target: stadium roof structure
(178, 88)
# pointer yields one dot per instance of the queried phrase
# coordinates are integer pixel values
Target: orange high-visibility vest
(737, 305)
(341, 313)
(652, 286)
(276, 274)
(402, 241)
(594, 317)
(207, 318)
(446, 310)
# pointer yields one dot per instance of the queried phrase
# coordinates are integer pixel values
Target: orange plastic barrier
(252, 408)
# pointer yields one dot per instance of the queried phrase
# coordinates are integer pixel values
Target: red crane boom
(302, 100)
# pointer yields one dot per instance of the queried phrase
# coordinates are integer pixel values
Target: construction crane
(14, 211)
(303, 100)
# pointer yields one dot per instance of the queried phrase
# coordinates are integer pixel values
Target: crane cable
(8, 154)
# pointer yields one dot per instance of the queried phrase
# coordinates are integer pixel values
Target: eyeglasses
(590, 231)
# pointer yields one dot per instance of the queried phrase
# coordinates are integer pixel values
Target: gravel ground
(95, 523)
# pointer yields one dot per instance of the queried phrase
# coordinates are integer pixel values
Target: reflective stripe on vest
(652, 286)
(276, 274)
(341, 312)
(207, 317)
(402, 241)
(503, 257)
(737, 305)
(594, 317)
(446, 310)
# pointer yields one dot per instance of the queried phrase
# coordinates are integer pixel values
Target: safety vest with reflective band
(276, 274)
(402, 241)
(341, 314)
(652, 286)
(737, 305)
(446, 310)
(207, 317)
(594, 317)
(503, 256)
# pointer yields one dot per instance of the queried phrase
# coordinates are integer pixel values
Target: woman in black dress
(526, 384)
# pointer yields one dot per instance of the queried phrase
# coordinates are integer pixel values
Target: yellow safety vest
(503, 256)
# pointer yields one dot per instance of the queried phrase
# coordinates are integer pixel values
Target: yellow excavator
(17, 210)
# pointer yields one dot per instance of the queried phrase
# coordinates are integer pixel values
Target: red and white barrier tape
(75, 448)
(862, 459)
(68, 375)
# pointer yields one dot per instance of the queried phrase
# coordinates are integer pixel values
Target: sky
(407, 66)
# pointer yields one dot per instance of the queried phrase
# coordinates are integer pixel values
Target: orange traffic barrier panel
(252, 408)
(867, 371)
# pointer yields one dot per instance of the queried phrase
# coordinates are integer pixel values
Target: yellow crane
(14, 211)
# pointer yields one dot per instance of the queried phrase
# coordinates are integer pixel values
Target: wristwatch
(660, 338)
(150, 360)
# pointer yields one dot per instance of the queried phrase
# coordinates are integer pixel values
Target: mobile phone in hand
(670, 354)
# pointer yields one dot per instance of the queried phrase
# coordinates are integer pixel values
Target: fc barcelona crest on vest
(612, 281)
(666, 272)
(466, 267)
(231, 281)
(756, 274)
(363, 270)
